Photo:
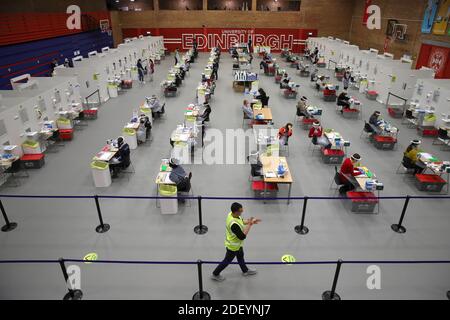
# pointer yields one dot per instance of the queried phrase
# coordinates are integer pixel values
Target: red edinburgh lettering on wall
(224, 38)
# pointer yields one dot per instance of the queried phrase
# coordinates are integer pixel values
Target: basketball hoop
(400, 31)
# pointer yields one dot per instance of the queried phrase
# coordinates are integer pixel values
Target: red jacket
(315, 132)
(282, 132)
(347, 168)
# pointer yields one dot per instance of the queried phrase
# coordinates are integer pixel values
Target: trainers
(218, 278)
(250, 273)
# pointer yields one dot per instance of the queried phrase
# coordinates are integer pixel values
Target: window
(23, 114)
(278, 5)
(3, 130)
(127, 5)
(242, 5)
(180, 4)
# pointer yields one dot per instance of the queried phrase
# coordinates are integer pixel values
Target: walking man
(237, 230)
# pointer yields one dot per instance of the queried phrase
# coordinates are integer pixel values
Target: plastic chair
(314, 146)
(336, 180)
(245, 117)
(367, 130)
(442, 138)
(16, 168)
(406, 165)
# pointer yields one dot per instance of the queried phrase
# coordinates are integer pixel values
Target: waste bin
(32, 147)
(64, 123)
(101, 174)
(130, 137)
(113, 91)
(190, 121)
(169, 205)
(180, 151)
(134, 74)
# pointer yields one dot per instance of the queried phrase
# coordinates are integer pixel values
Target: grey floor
(49, 229)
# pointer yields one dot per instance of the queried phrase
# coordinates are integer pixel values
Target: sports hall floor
(53, 228)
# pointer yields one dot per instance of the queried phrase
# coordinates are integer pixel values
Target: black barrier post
(200, 229)
(73, 294)
(200, 295)
(448, 295)
(332, 295)
(103, 227)
(398, 227)
(302, 229)
(9, 226)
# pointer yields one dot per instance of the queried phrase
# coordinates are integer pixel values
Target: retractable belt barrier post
(200, 229)
(103, 227)
(302, 229)
(73, 294)
(200, 295)
(9, 226)
(398, 227)
(332, 295)
(76, 294)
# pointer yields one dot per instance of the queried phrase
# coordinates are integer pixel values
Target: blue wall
(35, 57)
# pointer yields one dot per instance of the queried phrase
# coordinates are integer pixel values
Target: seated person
(348, 169)
(374, 118)
(205, 115)
(178, 80)
(262, 96)
(147, 124)
(343, 100)
(141, 132)
(121, 159)
(263, 65)
(234, 53)
(320, 83)
(284, 133)
(179, 176)
(154, 104)
(411, 158)
(316, 134)
(285, 81)
(314, 75)
(302, 107)
(248, 111)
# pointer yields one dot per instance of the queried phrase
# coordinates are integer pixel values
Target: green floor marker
(288, 258)
(90, 257)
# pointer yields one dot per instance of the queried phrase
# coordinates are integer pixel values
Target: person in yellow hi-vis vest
(237, 230)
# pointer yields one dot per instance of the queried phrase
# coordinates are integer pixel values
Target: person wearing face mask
(284, 134)
(316, 134)
(236, 231)
(348, 169)
(122, 159)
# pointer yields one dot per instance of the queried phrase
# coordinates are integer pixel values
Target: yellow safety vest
(232, 242)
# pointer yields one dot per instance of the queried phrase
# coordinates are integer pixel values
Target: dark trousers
(141, 76)
(215, 74)
(229, 257)
(346, 187)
